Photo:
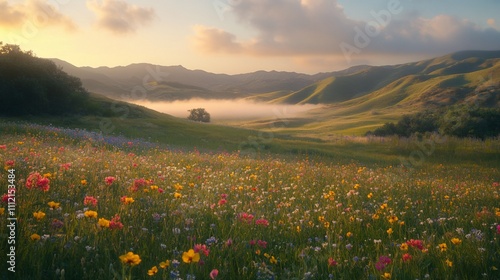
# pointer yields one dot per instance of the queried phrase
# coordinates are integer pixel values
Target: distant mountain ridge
(177, 82)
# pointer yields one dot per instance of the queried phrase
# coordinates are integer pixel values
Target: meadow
(117, 208)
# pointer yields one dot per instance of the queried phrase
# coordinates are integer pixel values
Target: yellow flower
(153, 271)
(273, 260)
(386, 275)
(375, 216)
(348, 234)
(165, 264)
(103, 223)
(178, 187)
(403, 247)
(130, 259)
(267, 255)
(153, 187)
(449, 263)
(83, 182)
(2, 210)
(47, 175)
(128, 200)
(38, 215)
(456, 241)
(54, 205)
(389, 231)
(35, 237)
(392, 219)
(177, 195)
(90, 214)
(370, 195)
(443, 247)
(190, 256)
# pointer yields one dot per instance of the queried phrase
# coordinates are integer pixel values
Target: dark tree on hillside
(35, 86)
(199, 115)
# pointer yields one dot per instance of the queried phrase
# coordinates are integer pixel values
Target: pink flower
(222, 202)
(407, 257)
(3, 147)
(139, 183)
(262, 243)
(214, 273)
(246, 217)
(115, 223)
(35, 180)
(109, 180)
(332, 262)
(419, 244)
(10, 163)
(498, 229)
(66, 166)
(202, 248)
(90, 200)
(262, 222)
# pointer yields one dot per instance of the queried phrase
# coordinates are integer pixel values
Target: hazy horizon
(227, 109)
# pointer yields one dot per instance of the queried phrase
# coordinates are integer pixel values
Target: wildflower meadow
(88, 209)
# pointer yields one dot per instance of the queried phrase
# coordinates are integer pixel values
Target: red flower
(262, 222)
(109, 180)
(419, 244)
(332, 262)
(115, 223)
(90, 200)
(201, 248)
(407, 257)
(35, 180)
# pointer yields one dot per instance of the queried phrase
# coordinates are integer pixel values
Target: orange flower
(190, 256)
(54, 205)
(35, 237)
(103, 223)
(456, 241)
(38, 215)
(90, 214)
(153, 271)
(130, 259)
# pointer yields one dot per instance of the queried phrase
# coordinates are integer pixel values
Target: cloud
(321, 27)
(120, 17)
(36, 12)
(213, 40)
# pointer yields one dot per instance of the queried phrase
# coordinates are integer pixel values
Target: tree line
(35, 86)
(458, 120)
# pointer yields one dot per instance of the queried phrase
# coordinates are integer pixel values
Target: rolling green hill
(364, 100)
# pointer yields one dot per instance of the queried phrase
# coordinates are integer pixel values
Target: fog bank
(228, 109)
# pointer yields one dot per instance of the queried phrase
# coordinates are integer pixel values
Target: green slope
(368, 98)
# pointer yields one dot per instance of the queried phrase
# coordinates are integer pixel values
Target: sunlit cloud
(38, 13)
(321, 27)
(213, 40)
(119, 17)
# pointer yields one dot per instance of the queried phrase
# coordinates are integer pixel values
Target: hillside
(439, 81)
(364, 100)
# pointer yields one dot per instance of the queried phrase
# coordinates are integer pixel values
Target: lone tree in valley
(199, 115)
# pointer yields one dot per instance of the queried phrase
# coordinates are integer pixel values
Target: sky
(241, 36)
